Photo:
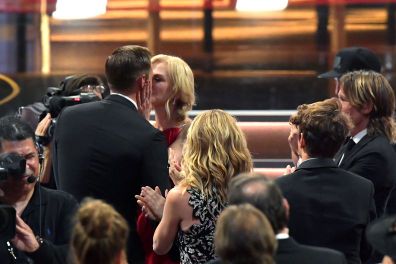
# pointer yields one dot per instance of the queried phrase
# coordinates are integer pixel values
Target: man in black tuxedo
(330, 207)
(266, 196)
(369, 100)
(106, 149)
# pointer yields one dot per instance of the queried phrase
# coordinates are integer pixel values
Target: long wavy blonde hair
(214, 152)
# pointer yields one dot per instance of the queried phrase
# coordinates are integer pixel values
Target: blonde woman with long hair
(215, 151)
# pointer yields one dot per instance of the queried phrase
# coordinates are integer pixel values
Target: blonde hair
(99, 235)
(181, 78)
(244, 236)
(214, 152)
(369, 87)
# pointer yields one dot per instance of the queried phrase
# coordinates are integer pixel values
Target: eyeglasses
(90, 89)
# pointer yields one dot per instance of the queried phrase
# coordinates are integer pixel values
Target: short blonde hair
(181, 78)
(369, 87)
(100, 233)
(214, 152)
(244, 236)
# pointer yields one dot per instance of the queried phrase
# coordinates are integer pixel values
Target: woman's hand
(143, 100)
(43, 126)
(293, 143)
(152, 202)
(174, 167)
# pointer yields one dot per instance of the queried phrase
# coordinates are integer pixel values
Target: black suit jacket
(374, 159)
(291, 252)
(107, 150)
(329, 207)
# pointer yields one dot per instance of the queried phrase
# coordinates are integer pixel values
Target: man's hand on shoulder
(24, 239)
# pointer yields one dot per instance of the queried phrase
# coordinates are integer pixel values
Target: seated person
(244, 235)
(330, 207)
(43, 216)
(255, 189)
(99, 235)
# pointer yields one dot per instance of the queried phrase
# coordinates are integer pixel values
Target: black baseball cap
(381, 234)
(353, 59)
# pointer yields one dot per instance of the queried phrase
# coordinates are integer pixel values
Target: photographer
(42, 215)
(74, 89)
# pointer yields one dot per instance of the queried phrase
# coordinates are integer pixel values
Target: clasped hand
(152, 202)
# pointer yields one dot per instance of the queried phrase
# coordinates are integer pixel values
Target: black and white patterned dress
(197, 244)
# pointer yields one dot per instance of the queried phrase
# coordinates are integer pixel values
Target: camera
(11, 165)
(55, 102)
(7, 222)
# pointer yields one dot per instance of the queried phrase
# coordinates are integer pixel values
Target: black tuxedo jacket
(329, 207)
(291, 252)
(107, 150)
(374, 159)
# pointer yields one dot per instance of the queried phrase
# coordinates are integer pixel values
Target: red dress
(145, 229)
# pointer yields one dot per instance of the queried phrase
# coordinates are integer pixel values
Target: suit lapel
(348, 158)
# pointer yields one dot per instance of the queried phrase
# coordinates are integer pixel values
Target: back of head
(100, 233)
(181, 77)
(214, 152)
(14, 129)
(353, 59)
(71, 84)
(125, 65)
(324, 127)
(265, 195)
(244, 236)
(368, 87)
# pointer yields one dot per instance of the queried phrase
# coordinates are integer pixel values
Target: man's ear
(301, 140)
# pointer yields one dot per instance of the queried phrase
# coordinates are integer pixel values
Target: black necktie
(347, 149)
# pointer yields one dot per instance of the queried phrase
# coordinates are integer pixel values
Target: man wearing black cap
(352, 59)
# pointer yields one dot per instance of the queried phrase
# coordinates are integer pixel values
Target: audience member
(99, 235)
(382, 236)
(255, 189)
(369, 100)
(330, 207)
(107, 149)
(244, 236)
(43, 220)
(352, 59)
(346, 60)
(171, 98)
(214, 152)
